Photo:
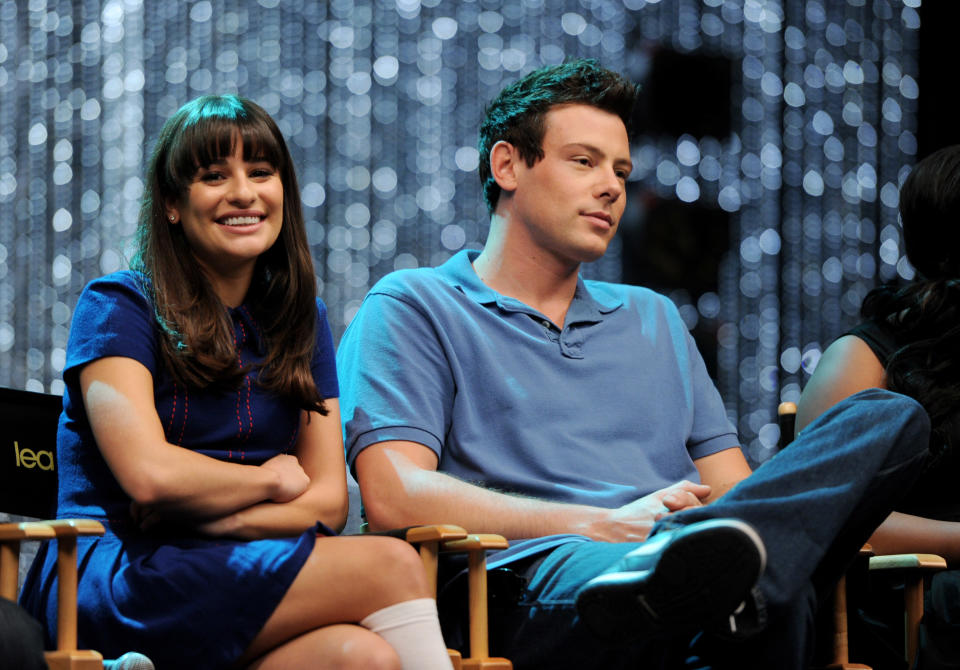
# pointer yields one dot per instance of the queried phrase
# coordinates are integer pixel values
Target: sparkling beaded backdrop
(380, 101)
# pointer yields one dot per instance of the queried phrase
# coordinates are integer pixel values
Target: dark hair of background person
(517, 114)
(925, 314)
(198, 342)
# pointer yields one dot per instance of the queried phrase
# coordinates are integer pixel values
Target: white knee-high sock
(413, 630)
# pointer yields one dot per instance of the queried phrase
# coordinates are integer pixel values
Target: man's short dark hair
(516, 115)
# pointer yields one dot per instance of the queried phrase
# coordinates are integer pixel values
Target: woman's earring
(172, 218)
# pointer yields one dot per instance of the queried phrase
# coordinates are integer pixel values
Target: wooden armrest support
(67, 532)
(11, 535)
(914, 566)
(908, 561)
(476, 546)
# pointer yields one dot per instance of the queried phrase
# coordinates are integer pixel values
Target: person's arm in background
(846, 367)
(722, 470)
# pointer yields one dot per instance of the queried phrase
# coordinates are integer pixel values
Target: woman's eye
(211, 176)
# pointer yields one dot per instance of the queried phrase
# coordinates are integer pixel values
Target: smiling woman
(201, 426)
(232, 213)
(205, 152)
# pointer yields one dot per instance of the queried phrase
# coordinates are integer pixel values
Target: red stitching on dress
(236, 347)
(249, 411)
(173, 410)
(240, 430)
(247, 378)
(253, 322)
(186, 411)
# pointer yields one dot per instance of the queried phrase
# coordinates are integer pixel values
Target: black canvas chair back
(28, 452)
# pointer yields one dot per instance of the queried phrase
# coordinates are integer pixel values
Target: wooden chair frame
(431, 540)
(65, 532)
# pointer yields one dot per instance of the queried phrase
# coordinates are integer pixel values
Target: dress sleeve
(324, 364)
(880, 340)
(395, 378)
(711, 431)
(112, 318)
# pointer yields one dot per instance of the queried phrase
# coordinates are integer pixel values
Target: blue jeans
(814, 504)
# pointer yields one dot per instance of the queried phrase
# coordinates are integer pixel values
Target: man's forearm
(401, 487)
(412, 495)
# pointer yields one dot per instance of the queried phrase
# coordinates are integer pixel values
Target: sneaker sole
(700, 577)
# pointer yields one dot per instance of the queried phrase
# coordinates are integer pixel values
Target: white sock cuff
(401, 614)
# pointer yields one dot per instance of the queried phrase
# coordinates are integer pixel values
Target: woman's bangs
(200, 144)
(259, 143)
(209, 138)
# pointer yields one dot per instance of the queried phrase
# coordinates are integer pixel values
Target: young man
(502, 392)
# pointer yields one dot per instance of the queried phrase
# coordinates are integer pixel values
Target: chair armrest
(26, 530)
(908, 562)
(475, 542)
(434, 533)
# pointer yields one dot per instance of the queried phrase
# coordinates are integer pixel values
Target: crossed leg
(342, 581)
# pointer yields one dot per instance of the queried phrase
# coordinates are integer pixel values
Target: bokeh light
(380, 101)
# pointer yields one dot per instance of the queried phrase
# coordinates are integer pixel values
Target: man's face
(570, 201)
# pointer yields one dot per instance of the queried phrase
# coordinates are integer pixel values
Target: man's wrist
(581, 520)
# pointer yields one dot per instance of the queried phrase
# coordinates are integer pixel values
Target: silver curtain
(380, 101)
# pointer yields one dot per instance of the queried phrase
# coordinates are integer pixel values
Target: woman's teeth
(240, 221)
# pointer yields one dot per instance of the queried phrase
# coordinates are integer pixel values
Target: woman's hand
(292, 480)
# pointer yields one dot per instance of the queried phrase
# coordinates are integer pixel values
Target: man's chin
(591, 254)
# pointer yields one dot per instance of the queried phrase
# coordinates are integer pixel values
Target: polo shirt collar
(587, 306)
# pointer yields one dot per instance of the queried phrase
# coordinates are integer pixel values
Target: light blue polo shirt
(614, 406)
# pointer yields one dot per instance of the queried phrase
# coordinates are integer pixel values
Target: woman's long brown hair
(197, 342)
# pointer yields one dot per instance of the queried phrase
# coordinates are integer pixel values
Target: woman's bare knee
(370, 653)
(392, 567)
(337, 647)
(343, 580)
(403, 559)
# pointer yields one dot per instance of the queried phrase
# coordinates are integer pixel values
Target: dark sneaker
(682, 579)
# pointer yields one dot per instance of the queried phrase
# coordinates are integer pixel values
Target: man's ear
(504, 160)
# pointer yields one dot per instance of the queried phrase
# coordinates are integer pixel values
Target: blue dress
(186, 601)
